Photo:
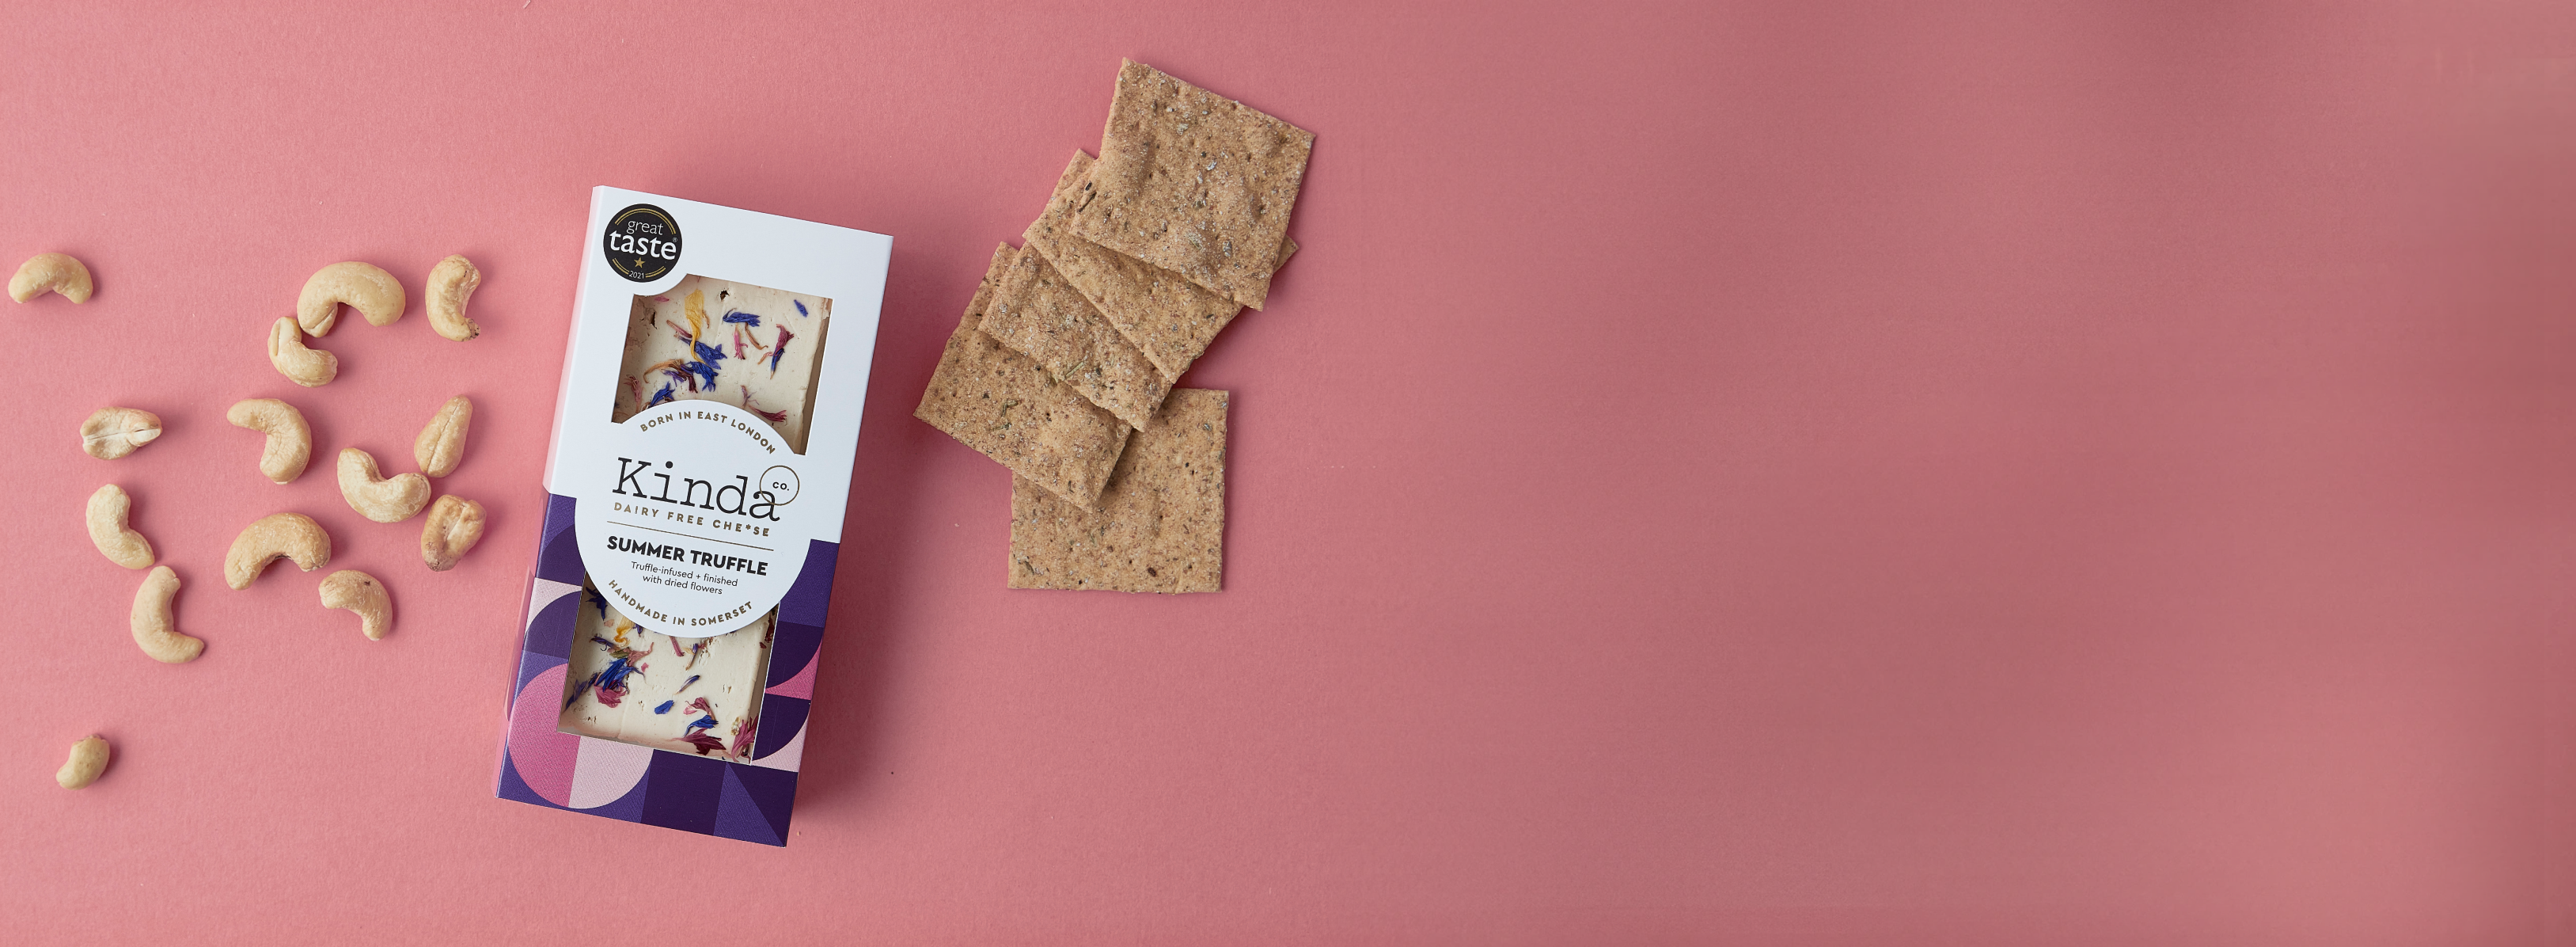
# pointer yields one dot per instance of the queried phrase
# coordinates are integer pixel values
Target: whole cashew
(442, 444)
(107, 529)
(50, 271)
(273, 537)
(374, 496)
(155, 631)
(87, 760)
(361, 593)
(290, 440)
(454, 526)
(309, 367)
(366, 287)
(111, 433)
(451, 282)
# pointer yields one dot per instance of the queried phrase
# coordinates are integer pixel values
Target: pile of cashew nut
(451, 529)
(375, 294)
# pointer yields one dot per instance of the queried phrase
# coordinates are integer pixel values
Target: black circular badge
(642, 243)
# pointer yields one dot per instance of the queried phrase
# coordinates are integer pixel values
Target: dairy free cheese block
(705, 339)
(748, 346)
(691, 695)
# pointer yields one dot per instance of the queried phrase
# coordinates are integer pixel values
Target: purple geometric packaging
(697, 477)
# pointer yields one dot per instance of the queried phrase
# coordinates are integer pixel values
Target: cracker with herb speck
(1163, 314)
(1160, 526)
(1036, 313)
(1194, 182)
(1006, 405)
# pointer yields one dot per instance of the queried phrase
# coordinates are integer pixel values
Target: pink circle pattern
(543, 755)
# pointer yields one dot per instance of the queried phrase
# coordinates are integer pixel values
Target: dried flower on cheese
(780, 351)
(774, 417)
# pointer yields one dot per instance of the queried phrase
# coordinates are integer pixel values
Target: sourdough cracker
(1160, 526)
(1163, 314)
(1034, 312)
(1193, 182)
(1005, 405)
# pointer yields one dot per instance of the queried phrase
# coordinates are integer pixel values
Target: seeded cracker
(1003, 404)
(1161, 523)
(1195, 183)
(1037, 314)
(1164, 315)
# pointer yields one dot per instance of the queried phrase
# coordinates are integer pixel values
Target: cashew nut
(375, 497)
(50, 271)
(88, 759)
(290, 440)
(366, 287)
(111, 433)
(442, 444)
(454, 525)
(309, 367)
(154, 630)
(361, 593)
(107, 529)
(275, 536)
(451, 282)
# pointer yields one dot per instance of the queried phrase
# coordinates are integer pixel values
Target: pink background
(1797, 474)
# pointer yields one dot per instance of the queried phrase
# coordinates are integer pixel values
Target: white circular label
(688, 518)
(781, 481)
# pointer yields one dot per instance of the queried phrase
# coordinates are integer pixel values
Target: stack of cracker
(1064, 365)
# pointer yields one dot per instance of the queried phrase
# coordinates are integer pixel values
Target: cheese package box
(695, 483)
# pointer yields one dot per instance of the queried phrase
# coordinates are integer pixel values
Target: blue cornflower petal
(614, 675)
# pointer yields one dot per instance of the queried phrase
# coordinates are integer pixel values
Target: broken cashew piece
(442, 444)
(290, 440)
(451, 282)
(273, 537)
(107, 529)
(87, 760)
(454, 525)
(155, 631)
(361, 593)
(365, 287)
(375, 497)
(54, 272)
(309, 367)
(111, 433)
